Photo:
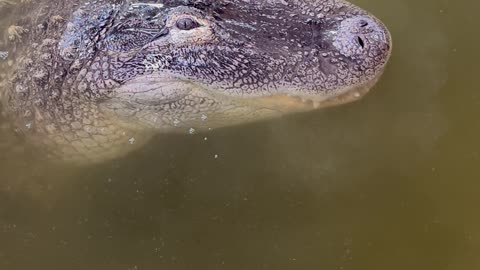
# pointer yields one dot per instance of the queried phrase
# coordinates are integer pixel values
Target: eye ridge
(187, 23)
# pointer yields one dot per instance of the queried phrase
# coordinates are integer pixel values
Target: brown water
(391, 182)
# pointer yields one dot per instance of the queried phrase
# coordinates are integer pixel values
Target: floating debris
(3, 55)
(191, 131)
(216, 156)
(204, 117)
(131, 140)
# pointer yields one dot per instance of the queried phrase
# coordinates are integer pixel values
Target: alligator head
(175, 63)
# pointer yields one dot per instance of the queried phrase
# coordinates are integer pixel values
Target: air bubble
(3, 55)
(176, 122)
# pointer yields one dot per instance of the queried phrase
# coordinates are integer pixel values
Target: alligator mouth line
(293, 102)
(282, 102)
(298, 103)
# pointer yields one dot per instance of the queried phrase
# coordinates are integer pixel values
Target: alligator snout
(361, 37)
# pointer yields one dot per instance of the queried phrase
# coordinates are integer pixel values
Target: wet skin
(94, 81)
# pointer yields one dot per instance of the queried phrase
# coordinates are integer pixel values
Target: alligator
(89, 81)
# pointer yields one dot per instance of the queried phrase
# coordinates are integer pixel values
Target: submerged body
(94, 80)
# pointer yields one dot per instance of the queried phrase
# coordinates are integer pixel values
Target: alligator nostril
(361, 42)
(363, 23)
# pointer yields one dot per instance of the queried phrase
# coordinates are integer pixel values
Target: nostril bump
(361, 42)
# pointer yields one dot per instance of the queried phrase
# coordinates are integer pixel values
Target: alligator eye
(187, 24)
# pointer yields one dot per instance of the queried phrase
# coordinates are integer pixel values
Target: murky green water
(391, 182)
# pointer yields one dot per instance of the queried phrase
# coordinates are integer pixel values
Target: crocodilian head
(183, 63)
